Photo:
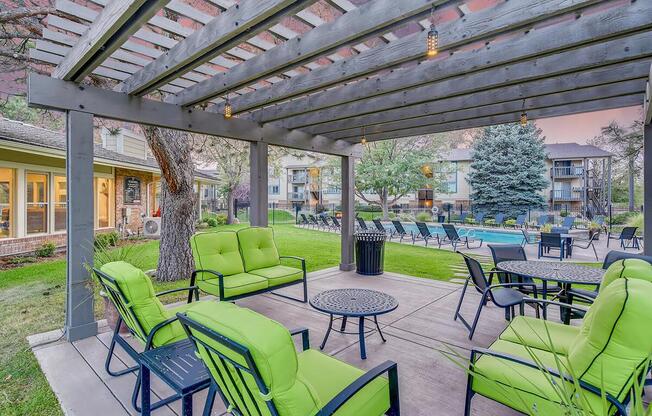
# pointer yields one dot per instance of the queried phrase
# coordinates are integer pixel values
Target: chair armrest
(305, 339)
(540, 302)
(150, 337)
(217, 274)
(191, 289)
(532, 286)
(301, 259)
(338, 401)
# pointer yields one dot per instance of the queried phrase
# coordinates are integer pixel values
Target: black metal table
(565, 274)
(178, 366)
(353, 303)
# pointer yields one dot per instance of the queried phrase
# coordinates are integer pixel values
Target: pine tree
(508, 169)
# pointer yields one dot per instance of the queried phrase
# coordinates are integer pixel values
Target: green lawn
(32, 300)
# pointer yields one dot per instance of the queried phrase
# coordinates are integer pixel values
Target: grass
(33, 299)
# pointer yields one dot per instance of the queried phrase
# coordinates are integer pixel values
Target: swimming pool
(487, 235)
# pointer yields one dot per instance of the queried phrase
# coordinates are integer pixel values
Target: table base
(361, 331)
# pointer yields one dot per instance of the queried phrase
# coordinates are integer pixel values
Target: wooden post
(647, 185)
(80, 319)
(258, 184)
(347, 261)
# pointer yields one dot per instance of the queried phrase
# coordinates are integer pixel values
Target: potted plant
(594, 229)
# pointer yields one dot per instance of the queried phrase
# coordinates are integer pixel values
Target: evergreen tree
(508, 169)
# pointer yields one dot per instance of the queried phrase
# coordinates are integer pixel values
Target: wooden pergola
(310, 75)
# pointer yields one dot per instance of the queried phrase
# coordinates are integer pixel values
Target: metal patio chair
(515, 252)
(568, 222)
(336, 223)
(479, 218)
(551, 241)
(380, 227)
(304, 220)
(520, 221)
(425, 234)
(325, 224)
(362, 225)
(462, 218)
(527, 238)
(627, 238)
(313, 221)
(503, 295)
(399, 230)
(454, 239)
(587, 244)
(499, 219)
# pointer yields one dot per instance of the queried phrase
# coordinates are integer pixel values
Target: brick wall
(24, 245)
(136, 210)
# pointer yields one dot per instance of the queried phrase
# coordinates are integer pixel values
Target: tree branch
(9, 16)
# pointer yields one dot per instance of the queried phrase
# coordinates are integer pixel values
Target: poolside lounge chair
(362, 225)
(552, 241)
(499, 220)
(400, 231)
(520, 221)
(479, 218)
(453, 238)
(503, 295)
(462, 218)
(568, 222)
(313, 221)
(336, 223)
(617, 338)
(527, 238)
(627, 237)
(542, 220)
(256, 369)
(425, 234)
(380, 227)
(304, 220)
(149, 322)
(325, 224)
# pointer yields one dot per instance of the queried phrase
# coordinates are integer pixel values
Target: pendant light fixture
(228, 110)
(364, 138)
(523, 115)
(432, 42)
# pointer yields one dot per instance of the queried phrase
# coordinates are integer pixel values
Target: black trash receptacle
(369, 252)
(441, 218)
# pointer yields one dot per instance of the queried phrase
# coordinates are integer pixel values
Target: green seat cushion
(273, 353)
(541, 334)
(218, 252)
(630, 268)
(234, 285)
(148, 310)
(278, 275)
(326, 376)
(258, 248)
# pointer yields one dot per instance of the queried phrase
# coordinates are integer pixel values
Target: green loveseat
(257, 371)
(232, 265)
(607, 354)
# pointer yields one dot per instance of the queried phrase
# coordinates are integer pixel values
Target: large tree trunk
(230, 208)
(171, 148)
(383, 204)
(631, 184)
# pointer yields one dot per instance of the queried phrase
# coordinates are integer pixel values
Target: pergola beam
(562, 110)
(489, 22)
(46, 92)
(647, 106)
(361, 23)
(597, 27)
(461, 98)
(227, 30)
(115, 24)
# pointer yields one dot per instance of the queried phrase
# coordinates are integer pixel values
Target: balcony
(296, 196)
(574, 194)
(299, 178)
(567, 171)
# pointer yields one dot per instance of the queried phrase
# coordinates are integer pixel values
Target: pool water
(487, 235)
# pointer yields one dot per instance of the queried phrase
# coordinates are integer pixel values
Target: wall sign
(131, 190)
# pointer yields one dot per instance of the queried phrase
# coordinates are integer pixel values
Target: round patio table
(566, 274)
(353, 303)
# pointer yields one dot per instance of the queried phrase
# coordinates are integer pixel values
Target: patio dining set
(250, 361)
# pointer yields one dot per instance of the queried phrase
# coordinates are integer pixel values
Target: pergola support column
(80, 319)
(258, 162)
(647, 187)
(347, 261)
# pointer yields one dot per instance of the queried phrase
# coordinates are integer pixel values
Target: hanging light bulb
(228, 110)
(523, 115)
(432, 42)
(364, 138)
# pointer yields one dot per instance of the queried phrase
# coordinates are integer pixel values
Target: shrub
(221, 219)
(405, 216)
(46, 249)
(368, 208)
(470, 221)
(21, 260)
(563, 214)
(636, 221)
(423, 217)
(490, 221)
(510, 222)
(107, 239)
(622, 218)
(212, 222)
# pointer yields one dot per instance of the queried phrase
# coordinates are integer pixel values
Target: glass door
(7, 183)
(37, 203)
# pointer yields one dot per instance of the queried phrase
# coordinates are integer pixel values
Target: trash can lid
(370, 236)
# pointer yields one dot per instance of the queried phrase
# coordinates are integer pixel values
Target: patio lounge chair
(325, 224)
(139, 308)
(499, 220)
(380, 227)
(453, 238)
(462, 218)
(614, 335)
(362, 225)
(627, 238)
(527, 238)
(552, 241)
(503, 295)
(425, 234)
(336, 223)
(400, 231)
(542, 220)
(234, 265)
(256, 369)
(313, 221)
(479, 218)
(520, 221)
(568, 222)
(515, 252)
(304, 220)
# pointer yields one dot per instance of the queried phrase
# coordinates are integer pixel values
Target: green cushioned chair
(132, 293)
(234, 265)
(606, 355)
(257, 371)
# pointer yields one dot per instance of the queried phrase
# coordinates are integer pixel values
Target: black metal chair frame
(499, 219)
(124, 308)
(326, 224)
(545, 246)
(565, 223)
(479, 218)
(362, 225)
(237, 369)
(590, 243)
(304, 220)
(453, 238)
(425, 233)
(627, 237)
(520, 221)
(463, 217)
(487, 294)
(223, 297)
(380, 227)
(336, 223)
(314, 222)
(400, 231)
(526, 238)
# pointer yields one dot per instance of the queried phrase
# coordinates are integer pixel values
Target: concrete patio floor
(416, 333)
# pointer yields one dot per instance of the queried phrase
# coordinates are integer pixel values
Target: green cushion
(234, 285)
(278, 275)
(257, 248)
(138, 290)
(630, 268)
(273, 352)
(327, 376)
(541, 334)
(218, 252)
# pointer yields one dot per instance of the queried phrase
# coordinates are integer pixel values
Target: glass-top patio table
(566, 274)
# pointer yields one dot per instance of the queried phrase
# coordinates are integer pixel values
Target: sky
(579, 128)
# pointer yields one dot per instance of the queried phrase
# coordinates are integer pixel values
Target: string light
(228, 110)
(364, 138)
(432, 42)
(523, 115)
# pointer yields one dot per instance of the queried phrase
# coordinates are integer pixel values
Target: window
(448, 173)
(59, 201)
(104, 191)
(7, 184)
(37, 203)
